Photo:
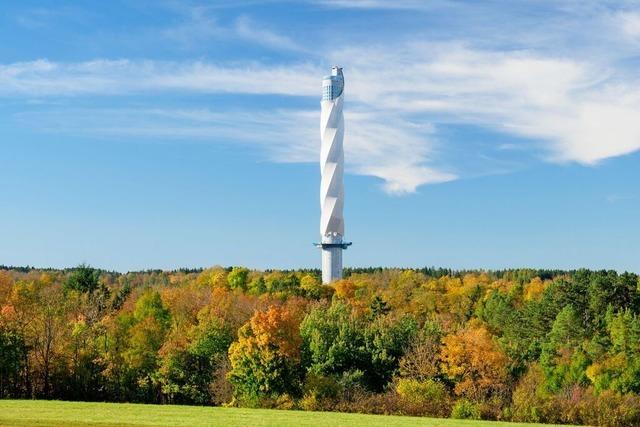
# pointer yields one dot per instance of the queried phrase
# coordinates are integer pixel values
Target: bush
(423, 397)
(365, 402)
(575, 405)
(528, 400)
(321, 387)
(609, 409)
(311, 403)
(465, 410)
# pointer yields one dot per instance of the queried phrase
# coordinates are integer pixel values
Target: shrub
(321, 387)
(423, 397)
(609, 409)
(284, 401)
(365, 402)
(465, 410)
(528, 401)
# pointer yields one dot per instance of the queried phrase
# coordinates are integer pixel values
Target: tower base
(332, 258)
(331, 264)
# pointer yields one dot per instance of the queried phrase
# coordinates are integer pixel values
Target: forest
(513, 345)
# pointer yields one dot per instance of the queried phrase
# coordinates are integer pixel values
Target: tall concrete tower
(332, 170)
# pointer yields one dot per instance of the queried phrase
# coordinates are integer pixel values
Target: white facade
(332, 170)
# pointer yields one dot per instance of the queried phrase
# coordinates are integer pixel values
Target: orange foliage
(277, 328)
(475, 362)
(265, 356)
(345, 289)
(185, 301)
(230, 306)
(7, 311)
(6, 283)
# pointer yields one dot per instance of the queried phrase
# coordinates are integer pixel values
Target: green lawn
(56, 413)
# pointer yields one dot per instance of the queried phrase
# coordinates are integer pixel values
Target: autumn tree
(48, 332)
(151, 321)
(265, 360)
(475, 363)
(136, 339)
(422, 359)
(312, 287)
(190, 358)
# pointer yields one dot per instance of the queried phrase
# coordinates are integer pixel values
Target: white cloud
(576, 110)
(581, 111)
(629, 23)
(248, 29)
(199, 26)
(396, 152)
(381, 4)
(114, 77)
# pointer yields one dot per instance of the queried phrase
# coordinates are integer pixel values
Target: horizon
(153, 135)
(350, 270)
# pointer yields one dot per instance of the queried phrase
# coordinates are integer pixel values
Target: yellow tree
(475, 363)
(265, 360)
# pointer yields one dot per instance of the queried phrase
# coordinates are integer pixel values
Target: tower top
(333, 84)
(336, 73)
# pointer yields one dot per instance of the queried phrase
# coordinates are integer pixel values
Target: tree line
(519, 345)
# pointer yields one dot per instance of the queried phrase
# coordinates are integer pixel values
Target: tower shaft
(332, 171)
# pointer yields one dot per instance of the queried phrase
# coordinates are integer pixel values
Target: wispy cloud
(566, 105)
(580, 111)
(619, 198)
(629, 23)
(120, 77)
(196, 26)
(42, 17)
(576, 110)
(381, 4)
(396, 153)
(199, 25)
(248, 29)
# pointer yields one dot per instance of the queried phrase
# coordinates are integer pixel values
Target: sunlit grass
(56, 413)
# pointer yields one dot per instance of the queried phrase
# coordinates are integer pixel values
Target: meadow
(59, 413)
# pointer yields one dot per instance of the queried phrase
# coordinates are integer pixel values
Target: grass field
(56, 413)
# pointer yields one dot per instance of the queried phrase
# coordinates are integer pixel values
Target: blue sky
(165, 134)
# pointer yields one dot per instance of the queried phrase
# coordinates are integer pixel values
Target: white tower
(332, 170)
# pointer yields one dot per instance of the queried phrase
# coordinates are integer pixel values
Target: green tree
(337, 341)
(312, 287)
(619, 370)
(83, 279)
(563, 359)
(187, 371)
(238, 278)
(12, 348)
(386, 341)
(333, 340)
(142, 333)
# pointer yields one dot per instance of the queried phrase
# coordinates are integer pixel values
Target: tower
(332, 170)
